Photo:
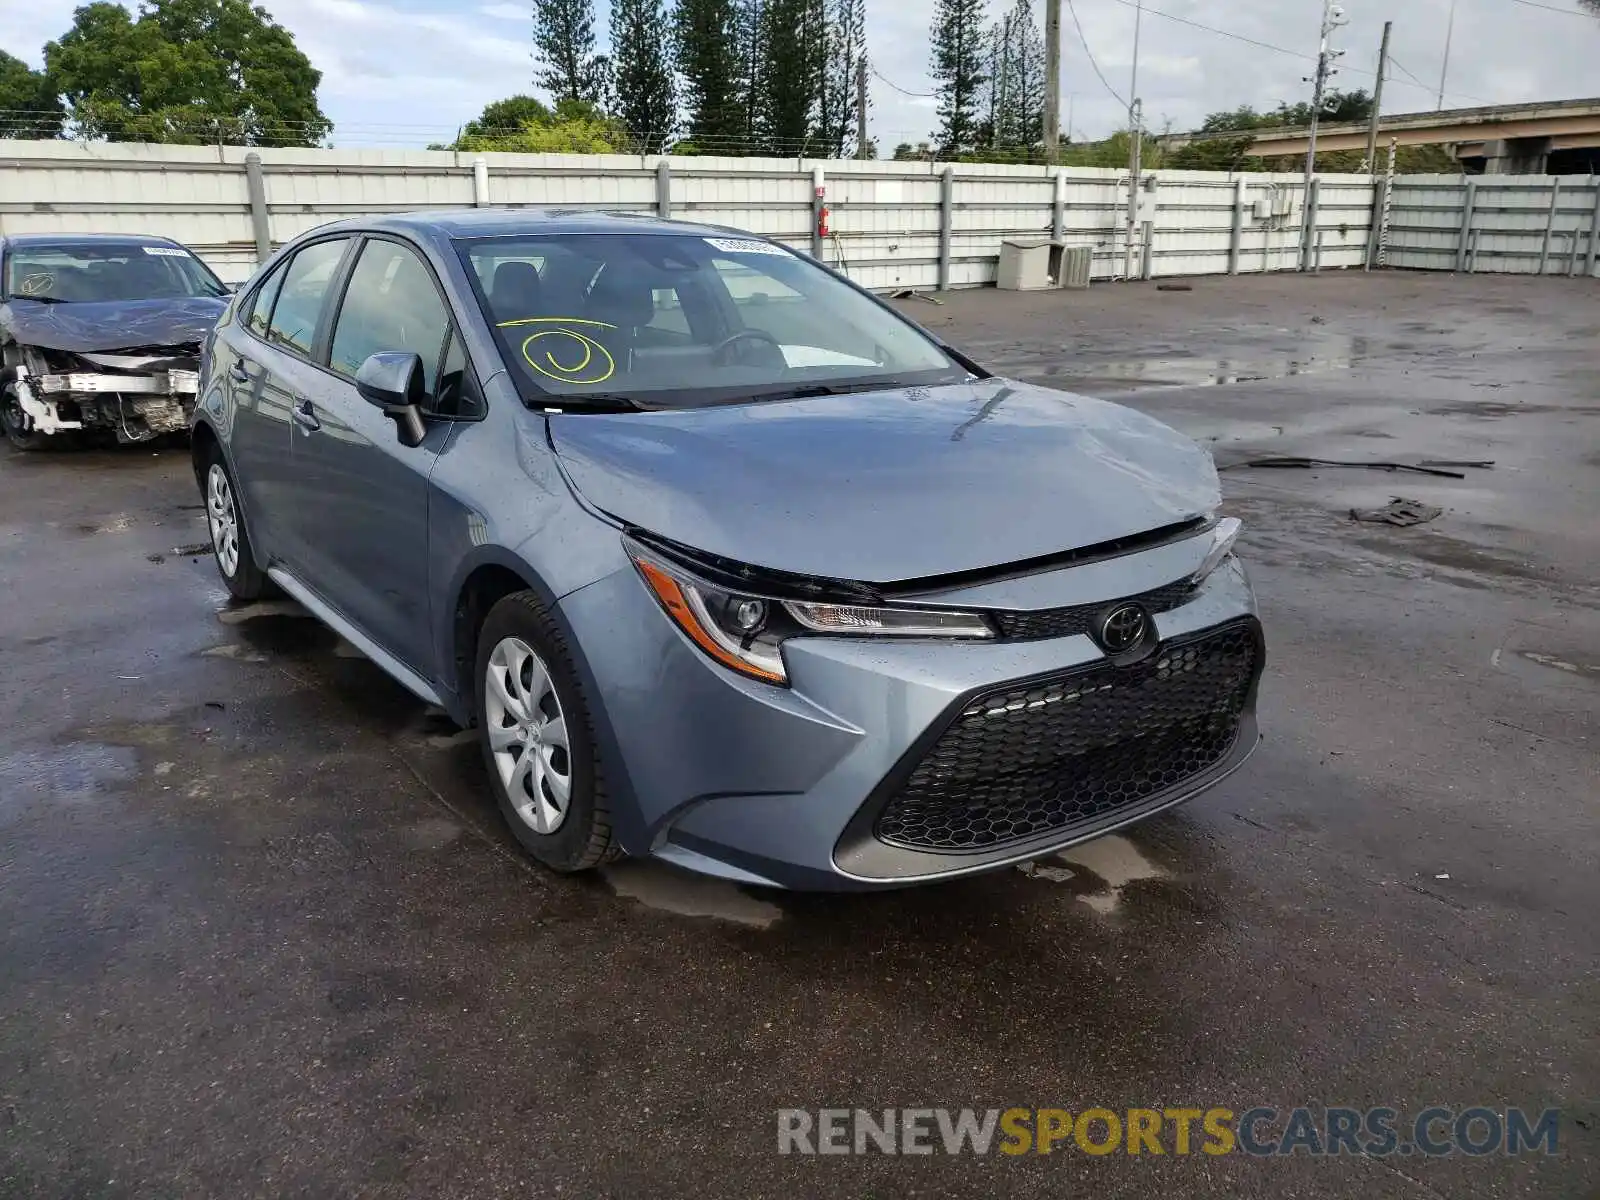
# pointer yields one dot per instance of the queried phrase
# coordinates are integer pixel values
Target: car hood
(892, 486)
(111, 324)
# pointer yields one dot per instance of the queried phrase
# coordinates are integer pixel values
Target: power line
(1565, 12)
(1428, 87)
(873, 67)
(1250, 41)
(1238, 37)
(1071, 8)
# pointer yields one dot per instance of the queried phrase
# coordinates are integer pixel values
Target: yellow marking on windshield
(552, 320)
(587, 371)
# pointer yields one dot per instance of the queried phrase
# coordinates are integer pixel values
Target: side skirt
(392, 666)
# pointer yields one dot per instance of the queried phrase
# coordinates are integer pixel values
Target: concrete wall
(887, 219)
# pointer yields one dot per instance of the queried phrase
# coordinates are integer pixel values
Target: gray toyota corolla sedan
(728, 562)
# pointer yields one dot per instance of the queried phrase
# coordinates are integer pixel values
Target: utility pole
(1444, 71)
(1052, 81)
(861, 106)
(1332, 18)
(1371, 162)
(1135, 147)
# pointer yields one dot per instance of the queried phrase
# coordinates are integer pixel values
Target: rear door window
(259, 305)
(300, 298)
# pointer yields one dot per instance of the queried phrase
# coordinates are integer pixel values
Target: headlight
(744, 631)
(1223, 535)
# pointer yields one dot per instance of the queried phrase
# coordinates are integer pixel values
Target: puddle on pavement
(276, 627)
(1194, 372)
(234, 651)
(77, 773)
(1112, 859)
(239, 614)
(120, 523)
(659, 886)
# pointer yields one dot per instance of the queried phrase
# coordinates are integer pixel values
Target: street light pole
(1371, 161)
(1332, 17)
(1052, 81)
(1444, 71)
(1135, 147)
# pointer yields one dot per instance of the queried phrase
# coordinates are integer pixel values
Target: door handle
(237, 372)
(305, 416)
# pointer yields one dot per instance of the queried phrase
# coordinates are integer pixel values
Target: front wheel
(230, 543)
(538, 743)
(15, 424)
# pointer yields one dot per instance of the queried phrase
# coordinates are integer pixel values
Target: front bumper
(788, 786)
(135, 407)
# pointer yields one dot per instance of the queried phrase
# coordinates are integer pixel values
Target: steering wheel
(719, 355)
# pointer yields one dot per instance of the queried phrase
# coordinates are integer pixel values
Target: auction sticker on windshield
(165, 251)
(740, 246)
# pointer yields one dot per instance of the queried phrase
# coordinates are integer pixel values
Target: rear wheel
(537, 739)
(230, 544)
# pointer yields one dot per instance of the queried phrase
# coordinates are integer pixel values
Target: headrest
(516, 291)
(621, 300)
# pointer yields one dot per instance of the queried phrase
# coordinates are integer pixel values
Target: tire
(518, 646)
(230, 543)
(11, 419)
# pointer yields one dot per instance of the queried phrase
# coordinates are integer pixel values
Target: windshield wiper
(803, 391)
(606, 402)
(42, 299)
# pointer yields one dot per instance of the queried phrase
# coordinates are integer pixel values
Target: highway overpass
(1559, 136)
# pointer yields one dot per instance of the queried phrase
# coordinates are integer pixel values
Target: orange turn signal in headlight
(685, 604)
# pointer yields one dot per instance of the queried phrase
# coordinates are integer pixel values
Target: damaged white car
(100, 334)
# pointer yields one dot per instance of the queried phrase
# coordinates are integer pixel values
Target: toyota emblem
(1123, 628)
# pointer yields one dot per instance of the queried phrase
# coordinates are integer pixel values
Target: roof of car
(106, 239)
(499, 222)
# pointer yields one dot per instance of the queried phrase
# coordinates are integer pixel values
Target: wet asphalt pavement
(263, 934)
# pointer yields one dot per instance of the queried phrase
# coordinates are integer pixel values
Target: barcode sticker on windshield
(166, 251)
(740, 246)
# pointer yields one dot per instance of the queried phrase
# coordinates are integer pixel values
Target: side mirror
(392, 379)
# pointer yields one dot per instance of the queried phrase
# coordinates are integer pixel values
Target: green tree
(1222, 152)
(705, 35)
(186, 71)
(1022, 113)
(507, 116)
(747, 54)
(575, 127)
(844, 45)
(646, 94)
(29, 106)
(1226, 137)
(792, 62)
(564, 48)
(960, 45)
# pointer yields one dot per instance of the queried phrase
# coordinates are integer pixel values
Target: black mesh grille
(1065, 622)
(1073, 749)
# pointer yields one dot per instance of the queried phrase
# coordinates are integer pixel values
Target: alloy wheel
(223, 517)
(527, 732)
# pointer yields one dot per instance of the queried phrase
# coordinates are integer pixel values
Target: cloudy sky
(406, 72)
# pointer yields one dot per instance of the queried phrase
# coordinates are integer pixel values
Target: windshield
(85, 272)
(669, 320)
